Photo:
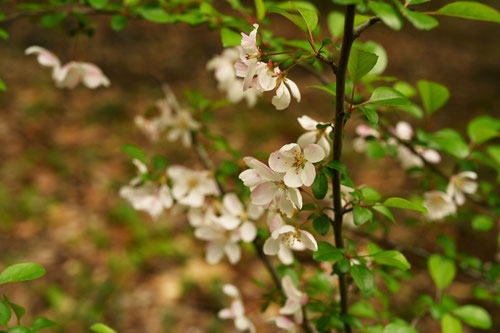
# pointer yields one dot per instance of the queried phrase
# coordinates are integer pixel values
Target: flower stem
(341, 70)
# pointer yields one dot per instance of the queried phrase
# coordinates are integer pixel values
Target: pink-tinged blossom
(190, 187)
(321, 137)
(282, 98)
(438, 205)
(236, 311)
(249, 63)
(223, 66)
(285, 238)
(149, 197)
(295, 299)
(268, 187)
(409, 159)
(297, 164)
(72, 73)
(462, 184)
(403, 130)
(363, 131)
(285, 324)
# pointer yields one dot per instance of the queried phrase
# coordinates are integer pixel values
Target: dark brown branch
(328, 61)
(207, 163)
(365, 25)
(347, 41)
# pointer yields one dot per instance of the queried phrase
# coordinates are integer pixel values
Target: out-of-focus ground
(62, 165)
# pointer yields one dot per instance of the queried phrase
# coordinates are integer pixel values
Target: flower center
(289, 238)
(300, 161)
(192, 183)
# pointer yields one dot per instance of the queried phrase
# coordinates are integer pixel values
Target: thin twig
(365, 25)
(347, 41)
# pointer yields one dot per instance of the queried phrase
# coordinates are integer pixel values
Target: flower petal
(279, 162)
(264, 193)
(282, 99)
(308, 239)
(308, 174)
(271, 246)
(314, 153)
(307, 123)
(293, 177)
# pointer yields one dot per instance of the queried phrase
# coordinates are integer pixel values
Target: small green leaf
(363, 309)
(494, 152)
(370, 194)
(442, 270)
(405, 88)
(384, 211)
(19, 329)
(388, 14)
(328, 88)
(474, 316)
(155, 14)
(134, 152)
(451, 142)
(260, 8)
(5, 314)
(19, 311)
(21, 272)
(296, 19)
(42, 322)
(482, 223)
(375, 149)
(102, 328)
(370, 114)
(404, 204)
(434, 95)
(229, 37)
(363, 278)
(336, 165)
(320, 186)
(419, 20)
(399, 328)
(327, 252)
(52, 20)
(310, 17)
(361, 215)
(118, 22)
(335, 22)
(3, 87)
(391, 258)
(322, 224)
(98, 4)
(360, 63)
(484, 128)
(450, 324)
(470, 10)
(4, 34)
(388, 96)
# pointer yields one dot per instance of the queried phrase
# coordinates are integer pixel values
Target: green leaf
(118, 22)
(405, 88)
(451, 142)
(102, 328)
(388, 96)
(375, 149)
(52, 20)
(360, 63)
(19, 311)
(322, 224)
(328, 88)
(404, 204)
(335, 22)
(388, 14)
(310, 17)
(5, 314)
(361, 215)
(370, 194)
(450, 324)
(320, 186)
(399, 328)
(391, 258)
(363, 309)
(470, 10)
(442, 270)
(260, 8)
(363, 278)
(420, 21)
(296, 19)
(384, 211)
(4, 34)
(482, 223)
(484, 128)
(327, 252)
(3, 87)
(370, 114)
(134, 152)
(155, 14)
(98, 4)
(336, 165)
(474, 316)
(21, 272)
(19, 329)
(229, 37)
(494, 152)
(42, 322)
(434, 95)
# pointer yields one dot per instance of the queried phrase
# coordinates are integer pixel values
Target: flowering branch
(340, 73)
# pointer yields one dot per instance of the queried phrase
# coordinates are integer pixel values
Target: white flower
(364, 131)
(438, 205)
(223, 66)
(236, 311)
(234, 213)
(403, 130)
(248, 65)
(408, 159)
(285, 238)
(72, 73)
(282, 99)
(149, 197)
(268, 187)
(181, 126)
(190, 187)
(295, 299)
(297, 165)
(285, 324)
(314, 135)
(461, 184)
